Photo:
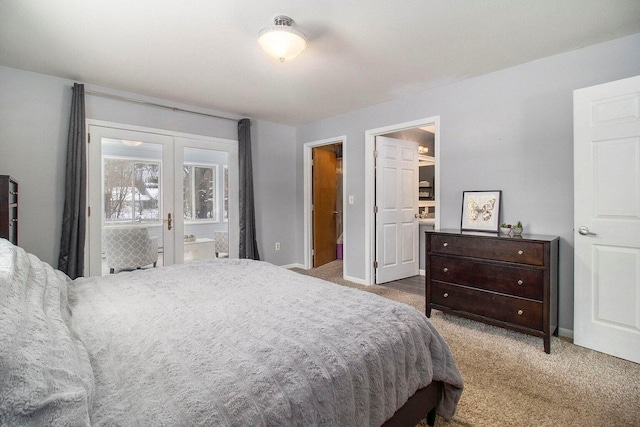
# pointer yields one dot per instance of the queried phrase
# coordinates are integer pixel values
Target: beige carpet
(511, 381)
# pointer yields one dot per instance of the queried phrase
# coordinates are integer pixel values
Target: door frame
(308, 199)
(370, 185)
(94, 223)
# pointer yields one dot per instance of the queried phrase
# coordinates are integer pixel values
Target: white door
(607, 218)
(183, 191)
(397, 244)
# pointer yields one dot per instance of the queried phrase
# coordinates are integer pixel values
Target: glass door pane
(204, 212)
(132, 223)
(130, 198)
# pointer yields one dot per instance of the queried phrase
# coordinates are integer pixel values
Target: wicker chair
(129, 248)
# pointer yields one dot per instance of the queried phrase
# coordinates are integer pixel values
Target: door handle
(585, 231)
(168, 221)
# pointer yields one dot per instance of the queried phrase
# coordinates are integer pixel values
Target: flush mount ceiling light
(281, 40)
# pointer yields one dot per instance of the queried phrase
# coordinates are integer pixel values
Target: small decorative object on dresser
(517, 229)
(9, 209)
(503, 282)
(481, 210)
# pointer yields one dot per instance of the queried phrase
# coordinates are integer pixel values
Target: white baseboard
(290, 266)
(568, 333)
(355, 280)
(422, 272)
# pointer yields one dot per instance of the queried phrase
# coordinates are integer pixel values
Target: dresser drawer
(523, 282)
(509, 250)
(517, 311)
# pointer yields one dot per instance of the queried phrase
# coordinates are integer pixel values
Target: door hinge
(375, 154)
(88, 210)
(89, 139)
(375, 264)
(375, 209)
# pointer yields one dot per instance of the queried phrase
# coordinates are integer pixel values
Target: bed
(218, 343)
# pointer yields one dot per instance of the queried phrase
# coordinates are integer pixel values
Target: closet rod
(153, 104)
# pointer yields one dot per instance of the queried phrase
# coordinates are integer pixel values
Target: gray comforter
(228, 343)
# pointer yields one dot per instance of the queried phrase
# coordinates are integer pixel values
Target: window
(131, 191)
(226, 194)
(200, 192)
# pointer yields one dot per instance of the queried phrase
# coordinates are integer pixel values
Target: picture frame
(481, 211)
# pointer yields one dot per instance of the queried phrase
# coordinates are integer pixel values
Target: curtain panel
(248, 243)
(71, 258)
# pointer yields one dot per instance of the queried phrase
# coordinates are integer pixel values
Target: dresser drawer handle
(445, 244)
(445, 269)
(520, 252)
(520, 312)
(520, 282)
(446, 295)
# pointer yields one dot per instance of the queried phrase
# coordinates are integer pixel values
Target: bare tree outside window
(117, 189)
(131, 191)
(187, 202)
(199, 193)
(225, 213)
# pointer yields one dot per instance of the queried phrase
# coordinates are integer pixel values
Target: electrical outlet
(277, 246)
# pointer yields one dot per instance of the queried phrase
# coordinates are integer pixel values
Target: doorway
(327, 204)
(432, 213)
(159, 198)
(324, 214)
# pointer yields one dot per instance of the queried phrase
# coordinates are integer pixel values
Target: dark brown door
(324, 206)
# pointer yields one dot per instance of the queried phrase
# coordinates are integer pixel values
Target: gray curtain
(248, 244)
(71, 259)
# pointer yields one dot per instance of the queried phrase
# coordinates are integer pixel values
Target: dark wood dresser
(511, 282)
(9, 209)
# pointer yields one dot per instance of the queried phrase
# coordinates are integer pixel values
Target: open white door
(607, 218)
(397, 244)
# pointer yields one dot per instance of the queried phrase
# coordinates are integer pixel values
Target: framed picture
(481, 211)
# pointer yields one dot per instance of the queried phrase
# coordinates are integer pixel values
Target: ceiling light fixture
(281, 40)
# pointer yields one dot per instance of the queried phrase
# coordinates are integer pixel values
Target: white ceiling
(360, 52)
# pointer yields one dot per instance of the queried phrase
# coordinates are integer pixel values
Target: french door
(158, 198)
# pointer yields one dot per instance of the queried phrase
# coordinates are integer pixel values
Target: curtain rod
(153, 104)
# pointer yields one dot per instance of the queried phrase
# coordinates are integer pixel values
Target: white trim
(355, 280)
(296, 265)
(308, 200)
(422, 272)
(563, 332)
(369, 187)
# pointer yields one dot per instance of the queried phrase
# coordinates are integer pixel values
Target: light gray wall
(34, 117)
(274, 177)
(510, 130)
